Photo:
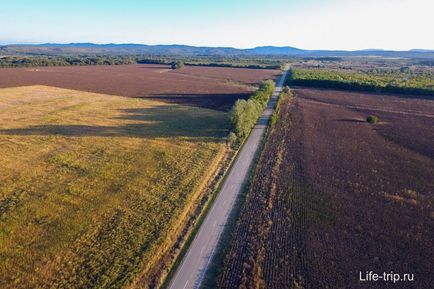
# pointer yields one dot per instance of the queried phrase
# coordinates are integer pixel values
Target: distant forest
(395, 81)
(269, 57)
(32, 61)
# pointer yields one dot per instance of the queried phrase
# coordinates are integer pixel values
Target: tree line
(245, 113)
(397, 82)
(39, 60)
(31, 61)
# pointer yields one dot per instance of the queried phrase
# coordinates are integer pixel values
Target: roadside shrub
(372, 119)
(232, 139)
(273, 118)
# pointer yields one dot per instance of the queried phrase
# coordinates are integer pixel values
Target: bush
(372, 119)
(282, 95)
(273, 119)
(177, 64)
(232, 139)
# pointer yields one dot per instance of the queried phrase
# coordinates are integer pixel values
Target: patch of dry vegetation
(93, 187)
(333, 196)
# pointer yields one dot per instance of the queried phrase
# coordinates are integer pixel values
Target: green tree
(245, 113)
(177, 64)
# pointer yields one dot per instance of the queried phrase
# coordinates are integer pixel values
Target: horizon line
(204, 46)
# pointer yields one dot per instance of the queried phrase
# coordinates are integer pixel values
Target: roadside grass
(200, 219)
(93, 187)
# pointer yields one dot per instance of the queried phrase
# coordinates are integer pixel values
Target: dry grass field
(93, 186)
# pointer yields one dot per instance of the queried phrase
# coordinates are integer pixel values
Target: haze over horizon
(313, 24)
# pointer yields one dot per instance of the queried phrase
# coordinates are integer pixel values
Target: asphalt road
(195, 263)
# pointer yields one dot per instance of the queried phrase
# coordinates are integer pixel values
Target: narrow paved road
(193, 267)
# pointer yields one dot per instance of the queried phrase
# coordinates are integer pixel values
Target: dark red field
(211, 87)
(334, 196)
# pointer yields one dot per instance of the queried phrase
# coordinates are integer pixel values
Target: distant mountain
(186, 50)
(422, 50)
(273, 50)
(113, 49)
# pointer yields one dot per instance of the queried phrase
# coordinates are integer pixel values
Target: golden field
(93, 187)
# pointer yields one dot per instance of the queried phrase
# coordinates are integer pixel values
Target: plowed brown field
(334, 196)
(210, 87)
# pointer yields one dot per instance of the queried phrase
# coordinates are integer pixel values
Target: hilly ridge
(176, 49)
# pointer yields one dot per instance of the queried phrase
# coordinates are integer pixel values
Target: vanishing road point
(193, 267)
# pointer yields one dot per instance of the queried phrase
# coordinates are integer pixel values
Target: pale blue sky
(310, 24)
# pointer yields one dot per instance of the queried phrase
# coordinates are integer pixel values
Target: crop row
(268, 237)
